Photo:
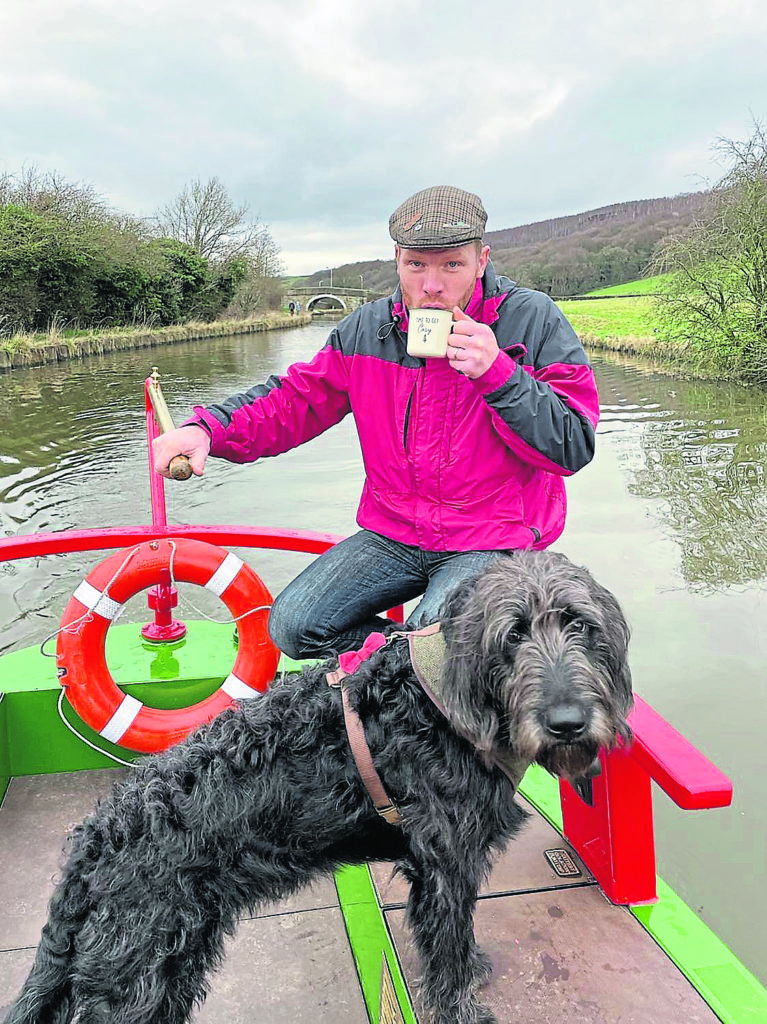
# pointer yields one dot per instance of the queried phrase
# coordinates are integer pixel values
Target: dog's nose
(566, 721)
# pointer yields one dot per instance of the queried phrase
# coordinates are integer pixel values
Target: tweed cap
(438, 218)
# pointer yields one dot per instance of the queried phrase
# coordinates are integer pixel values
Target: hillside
(564, 255)
(377, 275)
(639, 210)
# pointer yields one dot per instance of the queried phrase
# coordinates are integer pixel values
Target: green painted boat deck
(561, 952)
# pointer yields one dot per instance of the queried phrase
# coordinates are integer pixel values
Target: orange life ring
(80, 651)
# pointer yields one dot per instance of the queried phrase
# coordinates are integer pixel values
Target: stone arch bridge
(336, 299)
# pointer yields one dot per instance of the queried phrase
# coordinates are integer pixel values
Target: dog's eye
(578, 626)
(515, 636)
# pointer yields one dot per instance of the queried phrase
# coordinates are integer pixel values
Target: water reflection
(72, 453)
(699, 451)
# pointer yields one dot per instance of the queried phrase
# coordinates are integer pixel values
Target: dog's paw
(476, 1013)
(484, 1015)
(482, 968)
(469, 1012)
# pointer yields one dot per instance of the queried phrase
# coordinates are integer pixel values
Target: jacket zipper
(407, 417)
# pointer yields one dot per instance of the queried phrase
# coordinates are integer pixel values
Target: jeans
(337, 601)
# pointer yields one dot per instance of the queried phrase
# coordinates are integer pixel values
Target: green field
(645, 286)
(613, 318)
(616, 318)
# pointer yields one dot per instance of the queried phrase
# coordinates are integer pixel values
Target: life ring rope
(84, 739)
(99, 601)
(121, 718)
(90, 597)
(217, 584)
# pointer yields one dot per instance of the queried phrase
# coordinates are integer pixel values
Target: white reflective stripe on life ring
(97, 601)
(224, 575)
(236, 689)
(122, 719)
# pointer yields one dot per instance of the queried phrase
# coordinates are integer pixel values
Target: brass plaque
(390, 1008)
(562, 863)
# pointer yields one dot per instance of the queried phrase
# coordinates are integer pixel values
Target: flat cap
(438, 218)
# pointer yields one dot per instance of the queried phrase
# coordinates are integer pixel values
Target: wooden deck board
(293, 968)
(36, 815)
(290, 963)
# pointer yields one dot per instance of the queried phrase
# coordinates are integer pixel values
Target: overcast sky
(324, 115)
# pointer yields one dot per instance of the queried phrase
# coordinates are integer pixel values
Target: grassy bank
(608, 319)
(623, 321)
(646, 286)
(58, 345)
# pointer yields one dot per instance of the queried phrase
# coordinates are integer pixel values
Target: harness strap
(362, 756)
(427, 652)
(355, 730)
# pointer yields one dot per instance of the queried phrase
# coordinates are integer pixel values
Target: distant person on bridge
(464, 456)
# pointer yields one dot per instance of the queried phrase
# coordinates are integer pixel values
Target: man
(464, 456)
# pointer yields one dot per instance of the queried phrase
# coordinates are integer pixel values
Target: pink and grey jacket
(451, 464)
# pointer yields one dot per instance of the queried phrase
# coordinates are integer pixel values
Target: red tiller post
(156, 482)
(163, 597)
(613, 833)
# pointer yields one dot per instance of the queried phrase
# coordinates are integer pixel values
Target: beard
(411, 302)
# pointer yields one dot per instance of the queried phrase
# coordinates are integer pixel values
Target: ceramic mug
(428, 331)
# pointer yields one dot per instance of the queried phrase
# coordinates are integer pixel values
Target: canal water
(671, 516)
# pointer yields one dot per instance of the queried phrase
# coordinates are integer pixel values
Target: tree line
(603, 247)
(67, 257)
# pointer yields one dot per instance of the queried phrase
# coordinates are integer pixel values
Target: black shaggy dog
(267, 797)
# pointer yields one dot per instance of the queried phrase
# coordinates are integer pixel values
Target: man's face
(440, 278)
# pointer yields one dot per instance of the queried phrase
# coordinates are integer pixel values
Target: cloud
(324, 115)
(314, 246)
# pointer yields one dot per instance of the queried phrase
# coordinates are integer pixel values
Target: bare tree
(204, 215)
(717, 301)
(50, 192)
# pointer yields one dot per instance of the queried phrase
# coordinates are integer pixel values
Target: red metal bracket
(161, 600)
(613, 834)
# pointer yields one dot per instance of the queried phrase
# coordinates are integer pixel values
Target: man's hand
(471, 348)
(194, 442)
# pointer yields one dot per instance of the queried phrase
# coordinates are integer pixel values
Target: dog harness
(427, 654)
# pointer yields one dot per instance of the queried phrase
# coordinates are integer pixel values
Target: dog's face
(537, 662)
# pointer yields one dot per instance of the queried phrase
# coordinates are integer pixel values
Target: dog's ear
(465, 683)
(465, 693)
(616, 635)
